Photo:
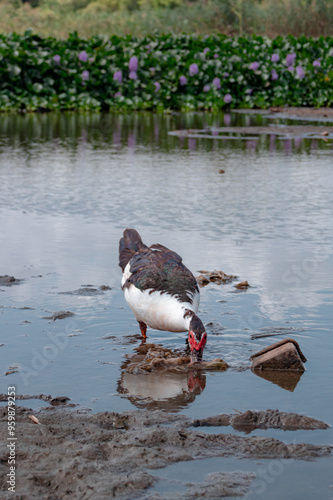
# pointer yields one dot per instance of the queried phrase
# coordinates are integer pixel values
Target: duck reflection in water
(159, 389)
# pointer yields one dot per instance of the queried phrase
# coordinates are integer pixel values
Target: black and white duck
(162, 293)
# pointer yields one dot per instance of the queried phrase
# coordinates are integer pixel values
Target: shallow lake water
(70, 184)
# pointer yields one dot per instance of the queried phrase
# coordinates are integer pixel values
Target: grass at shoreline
(60, 22)
(59, 18)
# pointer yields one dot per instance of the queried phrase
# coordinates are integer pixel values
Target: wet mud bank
(72, 453)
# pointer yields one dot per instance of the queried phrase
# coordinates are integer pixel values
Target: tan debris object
(283, 355)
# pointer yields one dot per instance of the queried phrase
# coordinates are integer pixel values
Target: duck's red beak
(197, 347)
(196, 356)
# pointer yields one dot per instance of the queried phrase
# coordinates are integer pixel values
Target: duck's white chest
(160, 311)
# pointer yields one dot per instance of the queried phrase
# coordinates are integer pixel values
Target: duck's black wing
(157, 268)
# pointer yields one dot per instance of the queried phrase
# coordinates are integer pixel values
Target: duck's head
(197, 338)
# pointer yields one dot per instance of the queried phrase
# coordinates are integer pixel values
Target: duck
(161, 291)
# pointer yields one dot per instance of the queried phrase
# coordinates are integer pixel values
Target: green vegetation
(163, 72)
(143, 17)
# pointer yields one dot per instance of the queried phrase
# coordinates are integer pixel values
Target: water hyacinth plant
(217, 82)
(274, 75)
(300, 72)
(290, 59)
(254, 66)
(83, 56)
(193, 69)
(85, 75)
(133, 64)
(163, 72)
(182, 80)
(118, 76)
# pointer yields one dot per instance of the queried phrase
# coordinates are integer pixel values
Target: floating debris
(284, 355)
(202, 280)
(214, 328)
(105, 287)
(88, 290)
(7, 280)
(269, 331)
(12, 369)
(60, 400)
(218, 277)
(60, 315)
(242, 285)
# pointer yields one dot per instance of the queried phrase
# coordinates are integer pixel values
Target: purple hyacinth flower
(316, 63)
(227, 119)
(193, 69)
(206, 88)
(216, 56)
(300, 72)
(182, 80)
(254, 66)
(83, 56)
(57, 59)
(275, 58)
(133, 64)
(290, 68)
(85, 75)
(205, 50)
(225, 74)
(227, 98)
(217, 82)
(157, 86)
(118, 76)
(274, 75)
(117, 94)
(133, 75)
(290, 59)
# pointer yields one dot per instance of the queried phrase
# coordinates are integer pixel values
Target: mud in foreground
(75, 454)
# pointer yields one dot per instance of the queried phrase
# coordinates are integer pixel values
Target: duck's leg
(143, 329)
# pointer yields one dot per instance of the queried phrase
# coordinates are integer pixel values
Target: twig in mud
(34, 419)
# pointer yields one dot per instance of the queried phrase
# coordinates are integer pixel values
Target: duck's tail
(129, 244)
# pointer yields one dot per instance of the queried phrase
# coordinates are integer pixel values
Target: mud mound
(269, 419)
(75, 454)
(153, 357)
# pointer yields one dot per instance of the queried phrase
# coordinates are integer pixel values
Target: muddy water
(70, 184)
